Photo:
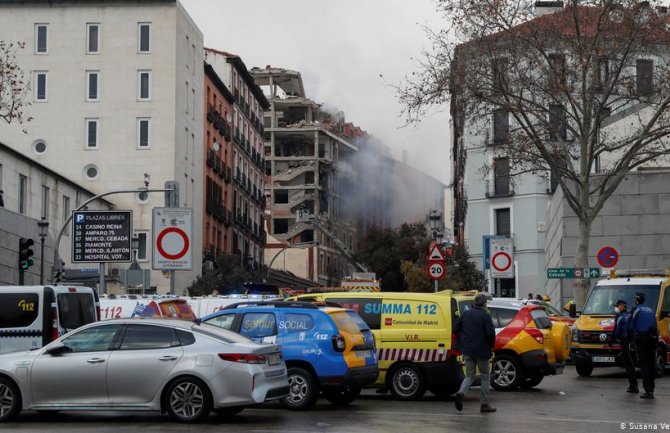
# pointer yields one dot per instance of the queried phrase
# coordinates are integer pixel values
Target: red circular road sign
(501, 261)
(436, 270)
(607, 257)
(161, 248)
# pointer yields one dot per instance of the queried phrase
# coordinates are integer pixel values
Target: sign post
(100, 237)
(172, 245)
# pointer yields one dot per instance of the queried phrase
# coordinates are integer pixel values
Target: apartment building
(235, 176)
(234, 172)
(116, 91)
(303, 152)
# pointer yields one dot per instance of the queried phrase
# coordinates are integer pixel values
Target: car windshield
(602, 298)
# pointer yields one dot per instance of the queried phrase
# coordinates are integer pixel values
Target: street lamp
(43, 226)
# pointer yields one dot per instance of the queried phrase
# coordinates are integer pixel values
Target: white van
(32, 316)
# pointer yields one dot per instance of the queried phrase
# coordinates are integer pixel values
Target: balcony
(211, 157)
(227, 174)
(236, 137)
(502, 187)
(238, 175)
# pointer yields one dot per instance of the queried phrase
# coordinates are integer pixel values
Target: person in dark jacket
(475, 339)
(645, 336)
(620, 335)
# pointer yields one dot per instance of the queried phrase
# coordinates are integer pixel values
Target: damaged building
(305, 148)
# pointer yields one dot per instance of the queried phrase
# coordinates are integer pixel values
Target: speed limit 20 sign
(172, 245)
(436, 270)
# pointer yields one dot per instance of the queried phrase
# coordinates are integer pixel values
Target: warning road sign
(435, 253)
(172, 246)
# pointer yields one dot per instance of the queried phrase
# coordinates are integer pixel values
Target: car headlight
(575, 334)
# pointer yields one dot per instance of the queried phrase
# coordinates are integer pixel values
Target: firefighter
(645, 337)
(620, 335)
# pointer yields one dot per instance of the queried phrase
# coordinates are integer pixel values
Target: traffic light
(25, 253)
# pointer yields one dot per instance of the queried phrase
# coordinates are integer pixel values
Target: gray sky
(340, 47)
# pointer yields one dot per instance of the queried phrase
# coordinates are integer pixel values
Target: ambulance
(592, 344)
(413, 334)
(32, 316)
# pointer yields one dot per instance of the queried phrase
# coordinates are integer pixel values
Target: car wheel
(506, 374)
(225, 412)
(532, 381)
(660, 362)
(584, 369)
(406, 382)
(342, 396)
(188, 400)
(10, 399)
(303, 389)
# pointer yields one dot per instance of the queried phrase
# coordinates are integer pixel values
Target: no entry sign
(172, 246)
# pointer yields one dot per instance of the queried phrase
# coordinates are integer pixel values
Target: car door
(78, 375)
(144, 359)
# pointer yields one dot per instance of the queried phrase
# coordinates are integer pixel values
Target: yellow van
(413, 334)
(592, 344)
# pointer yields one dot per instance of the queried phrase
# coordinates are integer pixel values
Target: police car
(327, 350)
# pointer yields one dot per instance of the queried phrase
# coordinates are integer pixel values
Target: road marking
(595, 421)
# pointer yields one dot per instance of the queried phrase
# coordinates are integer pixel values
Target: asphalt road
(566, 403)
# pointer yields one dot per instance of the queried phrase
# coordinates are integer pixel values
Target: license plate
(274, 359)
(603, 359)
(363, 354)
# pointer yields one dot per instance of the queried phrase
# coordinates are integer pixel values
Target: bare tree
(582, 93)
(13, 87)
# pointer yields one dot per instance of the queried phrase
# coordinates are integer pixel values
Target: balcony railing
(499, 188)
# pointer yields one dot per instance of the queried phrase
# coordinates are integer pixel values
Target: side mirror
(58, 349)
(572, 311)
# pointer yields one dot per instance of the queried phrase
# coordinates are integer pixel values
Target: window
(45, 202)
(12, 312)
(148, 337)
(95, 339)
(500, 126)
(258, 325)
(602, 73)
(23, 190)
(41, 38)
(188, 98)
(499, 74)
(505, 316)
(92, 85)
(66, 214)
(144, 37)
(501, 176)
(644, 77)
(557, 71)
(557, 126)
(92, 38)
(76, 309)
(224, 321)
(503, 222)
(40, 86)
(144, 85)
(92, 133)
(142, 246)
(300, 322)
(143, 133)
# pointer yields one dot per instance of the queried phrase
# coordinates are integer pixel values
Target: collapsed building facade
(305, 148)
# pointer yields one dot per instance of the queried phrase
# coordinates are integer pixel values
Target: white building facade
(115, 93)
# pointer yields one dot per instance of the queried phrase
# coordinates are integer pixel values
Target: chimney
(543, 7)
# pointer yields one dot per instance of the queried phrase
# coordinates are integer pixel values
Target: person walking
(475, 338)
(620, 335)
(645, 337)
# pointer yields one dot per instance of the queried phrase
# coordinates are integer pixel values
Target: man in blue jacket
(645, 335)
(620, 335)
(475, 339)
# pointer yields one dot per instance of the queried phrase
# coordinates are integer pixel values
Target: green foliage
(228, 274)
(383, 250)
(398, 257)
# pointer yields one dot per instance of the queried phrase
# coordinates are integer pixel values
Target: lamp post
(43, 226)
(435, 222)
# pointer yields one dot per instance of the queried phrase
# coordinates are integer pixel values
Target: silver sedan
(174, 366)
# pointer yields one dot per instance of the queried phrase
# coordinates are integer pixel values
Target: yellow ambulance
(413, 334)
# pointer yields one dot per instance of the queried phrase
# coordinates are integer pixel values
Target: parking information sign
(172, 232)
(102, 236)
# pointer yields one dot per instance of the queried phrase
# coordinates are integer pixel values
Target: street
(566, 403)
